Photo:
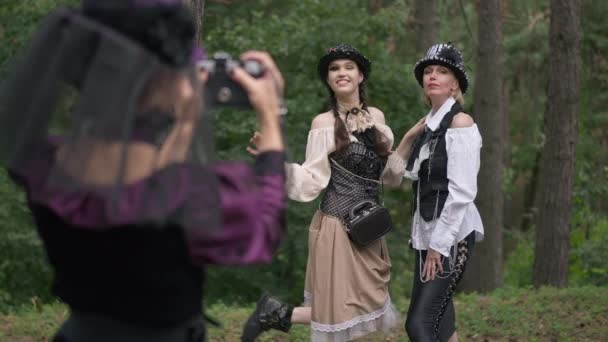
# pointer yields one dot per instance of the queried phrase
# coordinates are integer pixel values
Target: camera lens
(230, 65)
(253, 68)
(224, 95)
(207, 65)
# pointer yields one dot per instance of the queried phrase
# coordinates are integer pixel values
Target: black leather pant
(94, 328)
(431, 316)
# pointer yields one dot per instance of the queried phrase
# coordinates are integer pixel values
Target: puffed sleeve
(463, 147)
(252, 201)
(305, 182)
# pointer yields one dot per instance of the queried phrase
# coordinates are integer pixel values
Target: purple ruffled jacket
(113, 266)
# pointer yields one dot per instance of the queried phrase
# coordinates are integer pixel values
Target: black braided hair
(341, 135)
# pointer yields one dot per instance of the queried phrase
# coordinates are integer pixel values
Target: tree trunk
(559, 151)
(198, 10)
(425, 24)
(485, 270)
(530, 200)
(375, 6)
(506, 158)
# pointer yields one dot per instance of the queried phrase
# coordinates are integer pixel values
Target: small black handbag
(367, 222)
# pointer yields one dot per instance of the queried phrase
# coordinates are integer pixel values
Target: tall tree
(559, 151)
(198, 10)
(374, 6)
(485, 271)
(425, 24)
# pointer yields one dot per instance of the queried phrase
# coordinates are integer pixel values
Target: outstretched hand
(405, 146)
(416, 130)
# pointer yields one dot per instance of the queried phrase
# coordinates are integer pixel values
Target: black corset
(355, 174)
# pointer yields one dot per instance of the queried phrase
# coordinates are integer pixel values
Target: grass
(548, 314)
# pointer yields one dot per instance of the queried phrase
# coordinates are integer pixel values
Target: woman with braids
(127, 203)
(442, 153)
(346, 292)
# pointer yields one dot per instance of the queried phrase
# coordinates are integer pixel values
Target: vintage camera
(221, 90)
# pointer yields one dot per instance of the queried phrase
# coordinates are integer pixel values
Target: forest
(539, 81)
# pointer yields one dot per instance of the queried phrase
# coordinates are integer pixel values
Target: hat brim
(460, 74)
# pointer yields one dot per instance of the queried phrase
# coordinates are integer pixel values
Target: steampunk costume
(346, 285)
(443, 165)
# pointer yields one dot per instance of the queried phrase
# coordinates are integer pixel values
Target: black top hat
(447, 55)
(343, 51)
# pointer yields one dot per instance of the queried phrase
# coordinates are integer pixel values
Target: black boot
(270, 313)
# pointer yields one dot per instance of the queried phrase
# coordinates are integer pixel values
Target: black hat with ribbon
(343, 51)
(447, 55)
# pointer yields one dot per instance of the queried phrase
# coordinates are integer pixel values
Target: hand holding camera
(253, 81)
(226, 90)
(221, 90)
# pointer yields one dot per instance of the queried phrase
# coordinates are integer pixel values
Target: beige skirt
(346, 285)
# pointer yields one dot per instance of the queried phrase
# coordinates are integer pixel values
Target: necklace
(356, 118)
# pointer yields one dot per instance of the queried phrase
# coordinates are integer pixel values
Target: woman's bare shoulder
(323, 120)
(462, 120)
(377, 115)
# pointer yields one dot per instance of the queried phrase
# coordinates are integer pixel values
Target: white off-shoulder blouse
(306, 181)
(459, 216)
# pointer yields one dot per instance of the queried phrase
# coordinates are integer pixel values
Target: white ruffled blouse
(306, 181)
(459, 216)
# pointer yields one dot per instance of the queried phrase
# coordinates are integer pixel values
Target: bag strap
(342, 168)
(382, 190)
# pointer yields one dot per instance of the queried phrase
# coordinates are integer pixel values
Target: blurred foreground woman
(127, 202)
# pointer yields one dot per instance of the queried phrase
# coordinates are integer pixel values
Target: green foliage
(547, 314)
(518, 264)
(589, 221)
(35, 320)
(526, 29)
(508, 314)
(23, 270)
(297, 33)
(589, 255)
(18, 20)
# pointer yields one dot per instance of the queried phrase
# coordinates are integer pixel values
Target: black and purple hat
(122, 4)
(164, 27)
(343, 51)
(447, 55)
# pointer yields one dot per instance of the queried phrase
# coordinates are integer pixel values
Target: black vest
(433, 173)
